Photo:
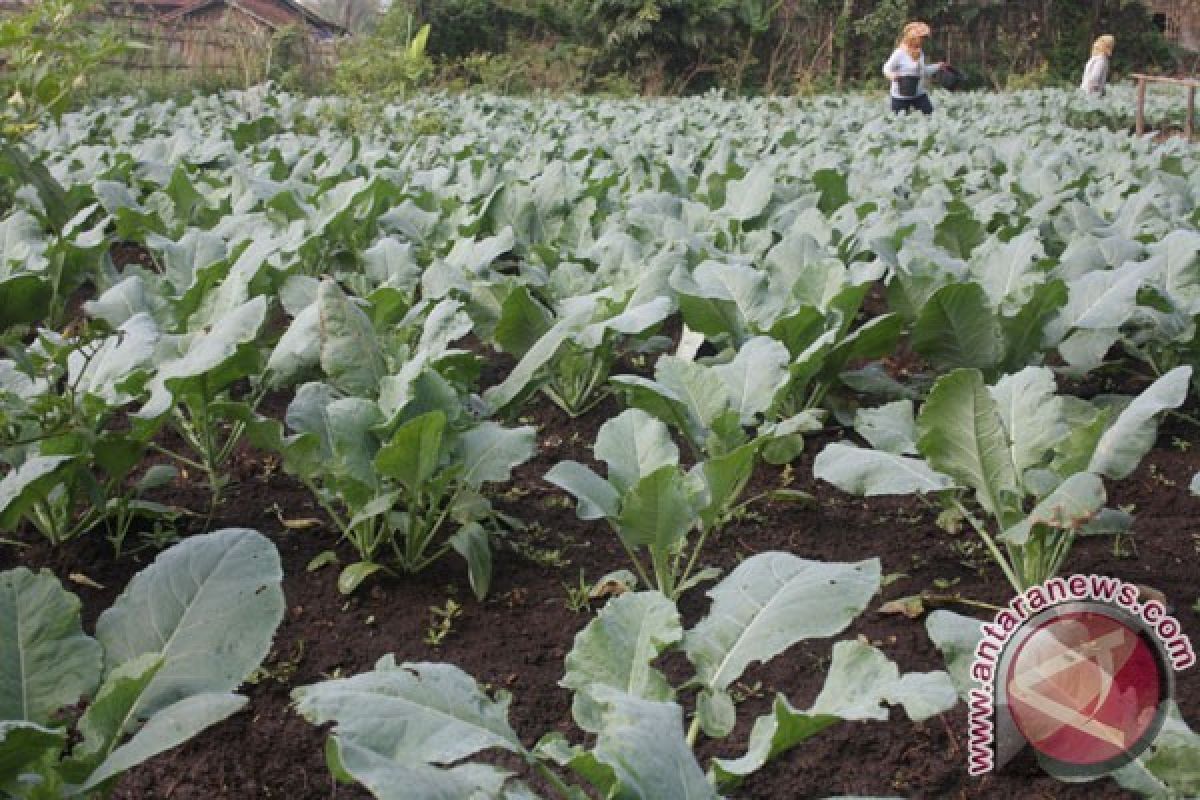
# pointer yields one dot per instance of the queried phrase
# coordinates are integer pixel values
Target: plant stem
(991, 546)
(693, 732)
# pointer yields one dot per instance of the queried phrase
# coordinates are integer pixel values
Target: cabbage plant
(1023, 465)
(417, 730)
(163, 665)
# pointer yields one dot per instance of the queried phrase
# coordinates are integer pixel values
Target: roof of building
(275, 13)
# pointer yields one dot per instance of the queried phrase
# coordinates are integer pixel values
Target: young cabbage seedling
(423, 726)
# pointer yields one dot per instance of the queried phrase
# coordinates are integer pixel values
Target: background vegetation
(662, 46)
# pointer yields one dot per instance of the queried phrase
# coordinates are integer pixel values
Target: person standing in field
(907, 70)
(1095, 74)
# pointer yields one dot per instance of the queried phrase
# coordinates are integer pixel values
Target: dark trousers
(921, 103)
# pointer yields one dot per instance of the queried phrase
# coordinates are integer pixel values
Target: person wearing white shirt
(907, 70)
(1095, 74)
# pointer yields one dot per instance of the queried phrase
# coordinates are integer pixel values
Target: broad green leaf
(46, 660)
(960, 433)
(24, 300)
(1069, 507)
(103, 372)
(439, 714)
(872, 472)
(111, 714)
(1032, 415)
(658, 511)
(957, 328)
(753, 377)
(748, 197)
(415, 451)
(861, 682)
(28, 484)
(535, 358)
(203, 354)
(642, 741)
(389, 778)
(522, 322)
(209, 605)
(351, 355)
(166, 729)
(1132, 434)
(1170, 768)
(890, 428)
(1008, 271)
(771, 602)
(298, 350)
(634, 444)
(23, 743)
(956, 636)
(595, 497)
(490, 451)
(616, 649)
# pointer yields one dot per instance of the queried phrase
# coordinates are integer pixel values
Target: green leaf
(956, 636)
(1069, 508)
(616, 650)
(46, 660)
(23, 743)
(891, 428)
(634, 444)
(24, 300)
(351, 355)
(439, 715)
(415, 451)
(209, 605)
(860, 683)
(595, 497)
(642, 741)
(111, 714)
(353, 575)
(28, 484)
(535, 358)
(748, 197)
(770, 602)
(166, 729)
(659, 510)
(960, 433)
(957, 328)
(491, 451)
(1032, 414)
(754, 376)
(471, 542)
(1132, 434)
(203, 354)
(869, 473)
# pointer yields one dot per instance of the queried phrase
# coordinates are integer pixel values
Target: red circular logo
(1085, 689)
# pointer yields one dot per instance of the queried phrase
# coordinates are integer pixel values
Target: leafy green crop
(166, 658)
(415, 730)
(1031, 462)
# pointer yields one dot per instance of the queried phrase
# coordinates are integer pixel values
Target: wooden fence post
(1141, 105)
(1191, 112)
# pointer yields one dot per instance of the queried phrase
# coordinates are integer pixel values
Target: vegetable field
(579, 448)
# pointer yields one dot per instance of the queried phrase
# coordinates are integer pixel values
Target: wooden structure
(239, 40)
(1190, 84)
(1179, 20)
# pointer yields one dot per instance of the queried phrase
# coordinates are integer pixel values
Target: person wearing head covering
(907, 70)
(1095, 74)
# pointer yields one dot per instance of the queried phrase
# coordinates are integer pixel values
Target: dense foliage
(368, 282)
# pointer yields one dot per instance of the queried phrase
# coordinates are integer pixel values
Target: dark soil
(517, 639)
